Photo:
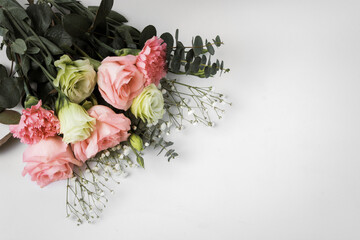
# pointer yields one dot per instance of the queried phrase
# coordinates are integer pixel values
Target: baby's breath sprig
(86, 191)
(196, 101)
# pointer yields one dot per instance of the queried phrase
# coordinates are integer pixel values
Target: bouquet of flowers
(96, 92)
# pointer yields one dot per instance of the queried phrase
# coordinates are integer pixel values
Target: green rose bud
(90, 102)
(149, 105)
(30, 101)
(77, 79)
(136, 142)
(75, 123)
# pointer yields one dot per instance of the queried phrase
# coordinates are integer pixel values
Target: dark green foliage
(198, 46)
(148, 32)
(41, 16)
(9, 117)
(80, 28)
(102, 12)
(59, 36)
(11, 89)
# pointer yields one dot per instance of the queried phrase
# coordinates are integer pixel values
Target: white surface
(282, 165)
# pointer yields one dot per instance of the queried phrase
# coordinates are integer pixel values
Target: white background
(282, 165)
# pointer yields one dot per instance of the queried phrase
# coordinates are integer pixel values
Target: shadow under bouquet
(96, 92)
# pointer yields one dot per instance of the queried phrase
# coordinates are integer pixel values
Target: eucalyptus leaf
(214, 69)
(169, 40)
(195, 66)
(190, 55)
(210, 48)
(19, 46)
(148, 32)
(3, 31)
(9, 117)
(177, 35)
(198, 45)
(207, 71)
(217, 41)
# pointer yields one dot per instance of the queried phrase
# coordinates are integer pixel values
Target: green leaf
(210, 48)
(102, 12)
(59, 36)
(4, 22)
(140, 161)
(217, 41)
(76, 25)
(178, 56)
(41, 15)
(3, 31)
(52, 47)
(148, 32)
(177, 35)
(207, 71)
(9, 53)
(25, 64)
(214, 69)
(33, 50)
(195, 66)
(19, 46)
(203, 62)
(113, 17)
(10, 117)
(10, 89)
(198, 45)
(190, 55)
(5, 139)
(169, 40)
(125, 33)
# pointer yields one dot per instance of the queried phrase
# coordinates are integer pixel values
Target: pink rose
(120, 81)
(36, 123)
(49, 160)
(151, 61)
(110, 130)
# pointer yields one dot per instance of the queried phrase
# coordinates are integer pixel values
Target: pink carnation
(49, 160)
(36, 123)
(110, 130)
(151, 61)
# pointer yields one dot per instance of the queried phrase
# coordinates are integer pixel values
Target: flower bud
(136, 142)
(149, 105)
(75, 123)
(89, 102)
(76, 79)
(30, 101)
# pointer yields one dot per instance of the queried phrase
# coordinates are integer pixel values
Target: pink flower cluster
(121, 79)
(110, 130)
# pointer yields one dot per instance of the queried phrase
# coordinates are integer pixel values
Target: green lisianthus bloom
(75, 123)
(76, 79)
(149, 105)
